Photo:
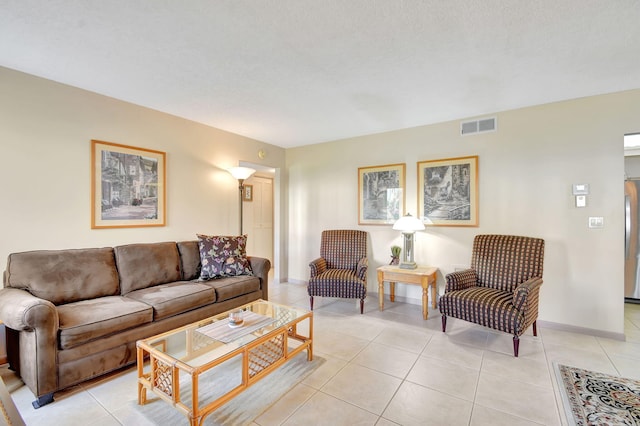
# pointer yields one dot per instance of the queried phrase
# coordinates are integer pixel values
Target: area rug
(592, 398)
(11, 380)
(242, 409)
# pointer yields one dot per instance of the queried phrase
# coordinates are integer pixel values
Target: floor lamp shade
(241, 173)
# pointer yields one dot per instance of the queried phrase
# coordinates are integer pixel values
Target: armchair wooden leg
(444, 323)
(361, 306)
(535, 330)
(311, 302)
(516, 346)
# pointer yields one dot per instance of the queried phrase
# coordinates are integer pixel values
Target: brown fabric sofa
(76, 314)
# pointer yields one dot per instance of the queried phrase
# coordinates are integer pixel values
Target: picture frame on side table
(128, 186)
(247, 193)
(381, 194)
(448, 191)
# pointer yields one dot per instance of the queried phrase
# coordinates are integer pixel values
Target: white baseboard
(402, 299)
(292, 281)
(581, 330)
(547, 324)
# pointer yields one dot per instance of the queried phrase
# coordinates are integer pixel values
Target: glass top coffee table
(180, 359)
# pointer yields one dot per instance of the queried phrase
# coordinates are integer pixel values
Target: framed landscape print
(448, 191)
(381, 194)
(127, 186)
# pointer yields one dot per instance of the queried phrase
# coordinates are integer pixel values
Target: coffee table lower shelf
(259, 358)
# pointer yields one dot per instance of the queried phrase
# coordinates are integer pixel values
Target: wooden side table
(423, 276)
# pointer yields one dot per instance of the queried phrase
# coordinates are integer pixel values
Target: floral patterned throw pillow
(223, 256)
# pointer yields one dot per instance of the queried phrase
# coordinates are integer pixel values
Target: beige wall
(45, 134)
(526, 170)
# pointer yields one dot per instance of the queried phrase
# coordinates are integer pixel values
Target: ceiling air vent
(478, 126)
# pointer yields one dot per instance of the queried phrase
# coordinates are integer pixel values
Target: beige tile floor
(392, 367)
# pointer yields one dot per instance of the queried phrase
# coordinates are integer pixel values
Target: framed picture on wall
(448, 191)
(127, 186)
(381, 194)
(247, 192)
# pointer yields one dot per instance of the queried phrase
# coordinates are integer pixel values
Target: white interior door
(258, 219)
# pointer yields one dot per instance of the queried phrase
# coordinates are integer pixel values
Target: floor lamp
(241, 173)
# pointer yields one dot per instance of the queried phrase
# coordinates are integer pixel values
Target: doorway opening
(632, 218)
(261, 214)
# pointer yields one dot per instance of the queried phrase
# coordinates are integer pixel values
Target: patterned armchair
(501, 289)
(341, 269)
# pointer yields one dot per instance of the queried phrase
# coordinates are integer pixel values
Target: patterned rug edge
(595, 398)
(568, 412)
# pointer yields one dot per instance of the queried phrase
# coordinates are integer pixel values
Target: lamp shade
(241, 172)
(408, 223)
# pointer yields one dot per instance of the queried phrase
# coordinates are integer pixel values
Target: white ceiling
(297, 72)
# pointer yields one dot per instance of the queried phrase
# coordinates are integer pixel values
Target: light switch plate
(596, 222)
(581, 200)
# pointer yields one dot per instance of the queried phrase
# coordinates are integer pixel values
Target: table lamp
(408, 225)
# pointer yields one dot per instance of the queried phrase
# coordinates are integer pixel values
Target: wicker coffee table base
(259, 358)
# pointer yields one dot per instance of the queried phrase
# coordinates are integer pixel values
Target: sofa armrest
(20, 310)
(460, 280)
(36, 320)
(317, 266)
(527, 293)
(261, 267)
(361, 269)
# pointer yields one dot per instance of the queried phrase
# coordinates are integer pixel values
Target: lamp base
(408, 265)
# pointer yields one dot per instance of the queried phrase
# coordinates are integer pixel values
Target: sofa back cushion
(189, 260)
(64, 276)
(145, 265)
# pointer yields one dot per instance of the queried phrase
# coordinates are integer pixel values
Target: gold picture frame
(381, 194)
(128, 186)
(448, 191)
(247, 193)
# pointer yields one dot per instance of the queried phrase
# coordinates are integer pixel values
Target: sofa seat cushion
(485, 306)
(88, 320)
(174, 298)
(230, 287)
